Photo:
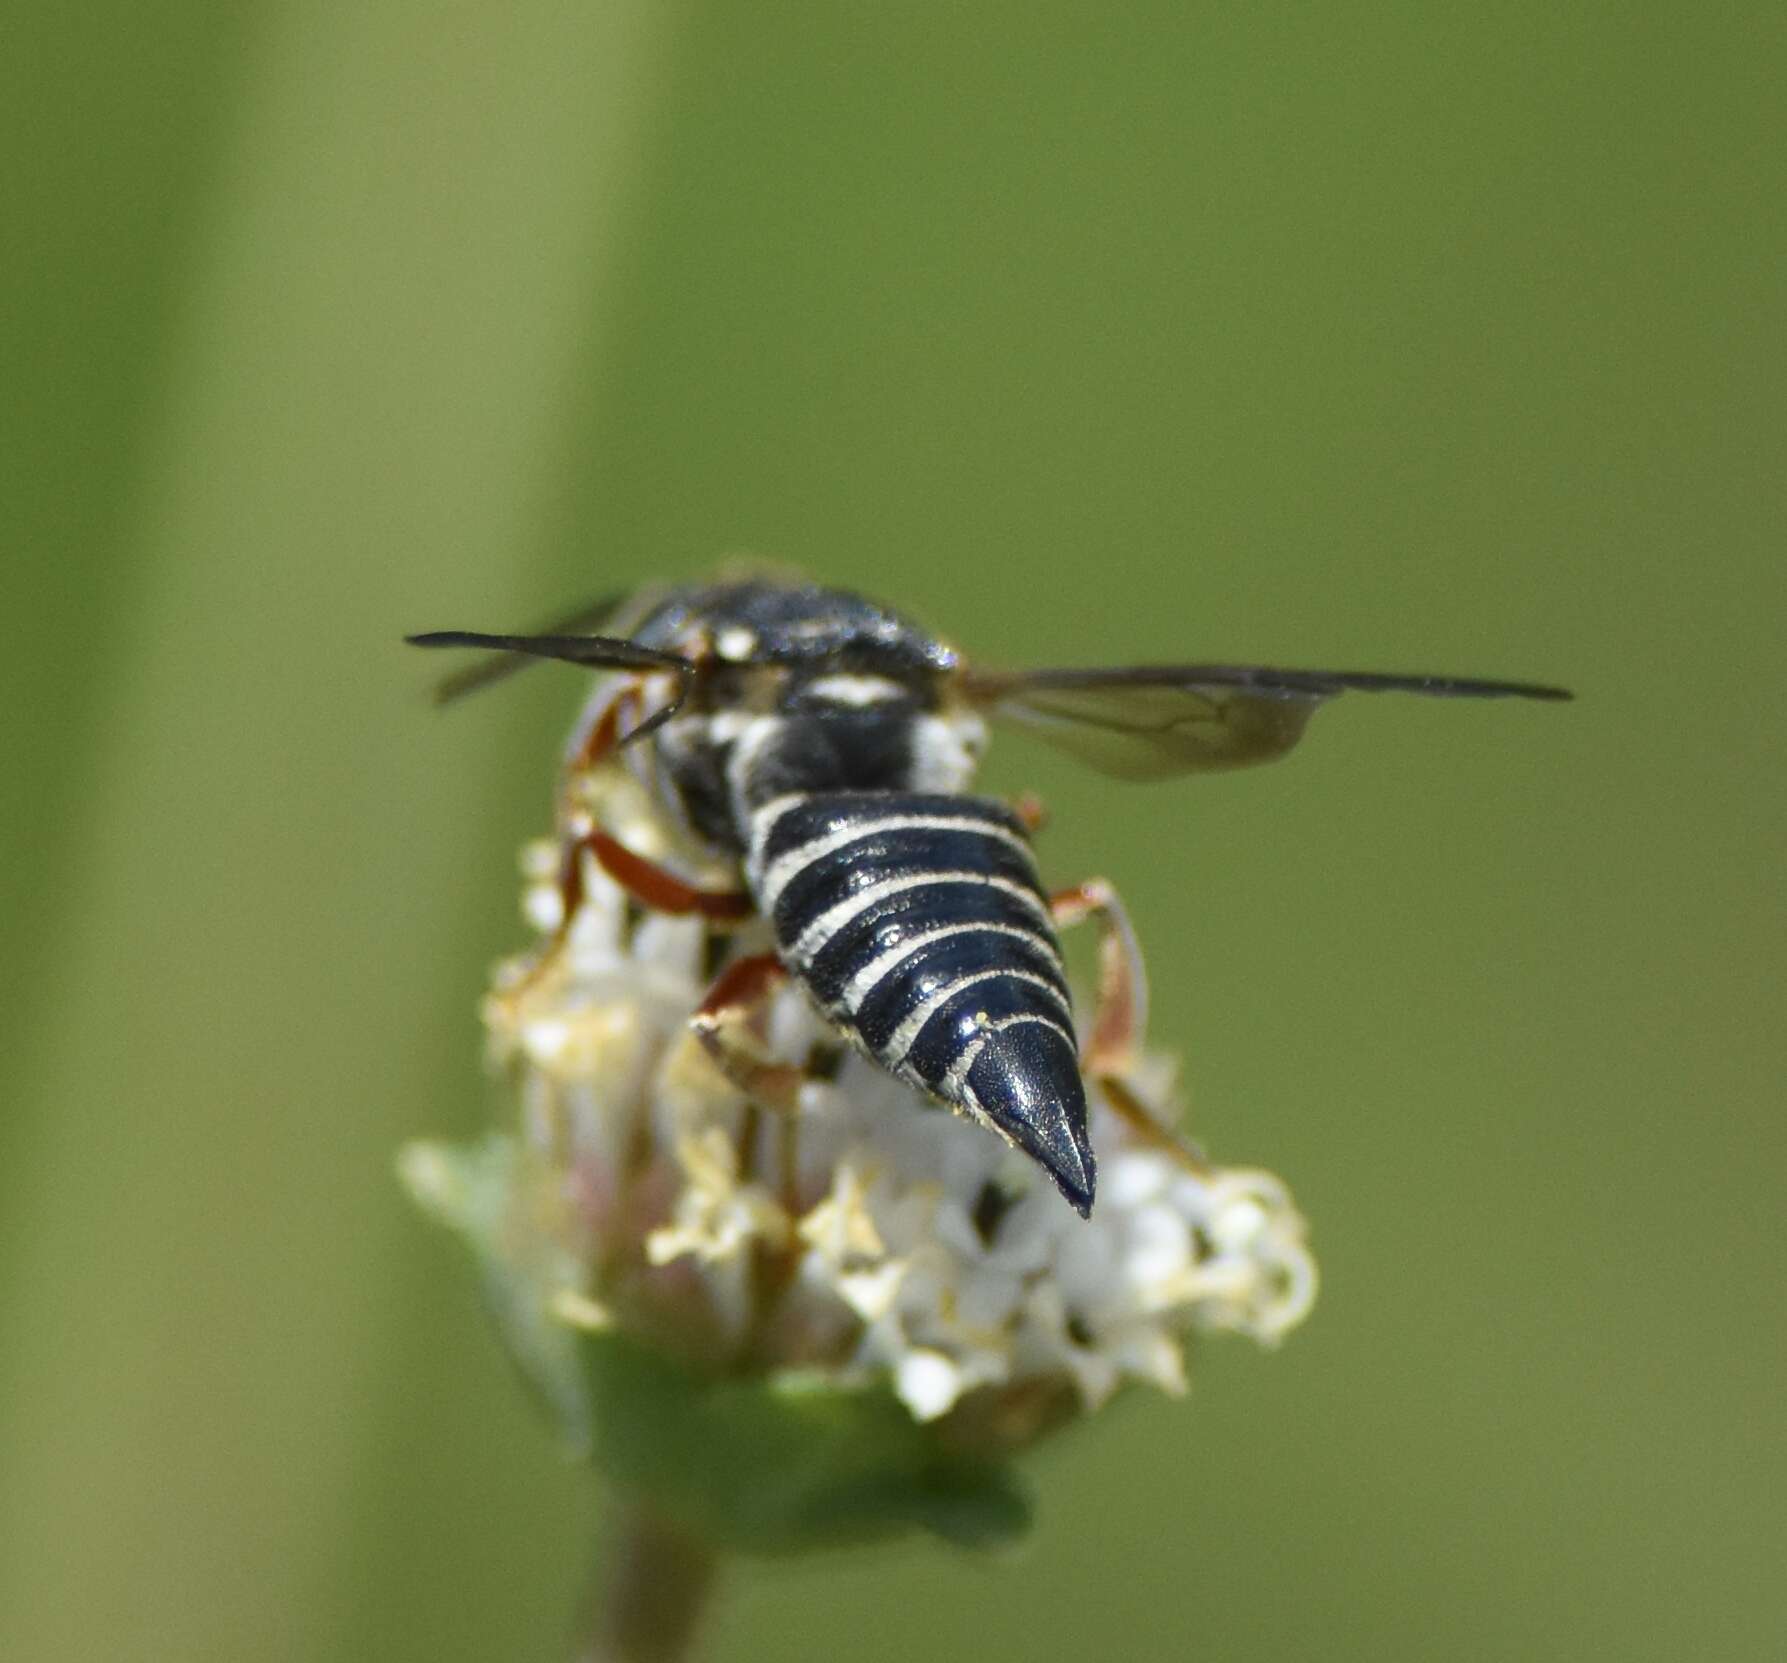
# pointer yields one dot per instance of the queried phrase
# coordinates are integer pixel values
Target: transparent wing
(505, 661)
(596, 652)
(1152, 721)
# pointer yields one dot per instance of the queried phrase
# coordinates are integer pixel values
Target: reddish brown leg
(730, 1024)
(1031, 811)
(620, 718)
(601, 736)
(1145, 1128)
(604, 735)
(654, 887)
(1121, 1017)
(647, 882)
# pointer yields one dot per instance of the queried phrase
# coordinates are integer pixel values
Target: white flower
(869, 1233)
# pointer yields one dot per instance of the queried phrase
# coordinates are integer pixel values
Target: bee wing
(506, 659)
(1153, 721)
(601, 652)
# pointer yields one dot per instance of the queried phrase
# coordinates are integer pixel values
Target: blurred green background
(1398, 335)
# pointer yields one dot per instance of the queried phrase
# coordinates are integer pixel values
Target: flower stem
(649, 1591)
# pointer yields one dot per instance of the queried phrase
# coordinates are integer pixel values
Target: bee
(821, 749)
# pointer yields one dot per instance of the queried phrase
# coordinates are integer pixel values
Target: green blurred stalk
(378, 326)
(651, 1592)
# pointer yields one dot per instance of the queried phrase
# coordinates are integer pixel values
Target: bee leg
(730, 1023)
(1136, 1115)
(622, 716)
(600, 732)
(647, 882)
(594, 740)
(599, 738)
(1031, 810)
(651, 884)
(1121, 1016)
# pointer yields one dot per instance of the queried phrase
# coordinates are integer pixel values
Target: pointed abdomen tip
(1026, 1080)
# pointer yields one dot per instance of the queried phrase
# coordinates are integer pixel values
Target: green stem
(649, 1592)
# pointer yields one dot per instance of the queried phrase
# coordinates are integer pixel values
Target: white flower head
(863, 1233)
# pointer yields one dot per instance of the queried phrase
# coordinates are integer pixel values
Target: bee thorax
(718, 768)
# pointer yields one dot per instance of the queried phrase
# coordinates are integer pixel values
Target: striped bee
(821, 748)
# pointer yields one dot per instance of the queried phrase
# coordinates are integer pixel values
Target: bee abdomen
(920, 925)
